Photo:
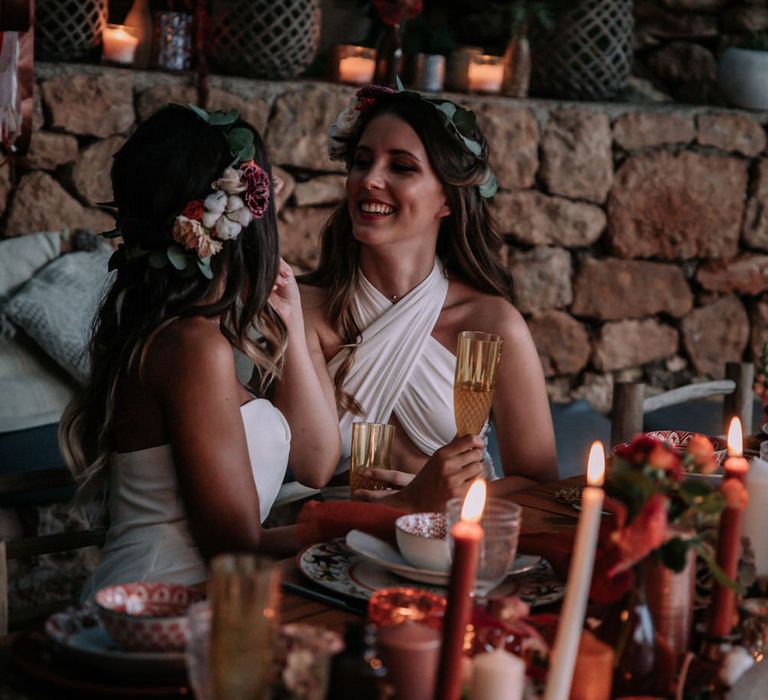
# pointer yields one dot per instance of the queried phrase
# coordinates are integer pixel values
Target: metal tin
(428, 72)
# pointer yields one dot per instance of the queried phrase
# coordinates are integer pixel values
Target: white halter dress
(148, 537)
(399, 367)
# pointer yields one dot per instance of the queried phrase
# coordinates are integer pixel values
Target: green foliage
(755, 42)
(524, 14)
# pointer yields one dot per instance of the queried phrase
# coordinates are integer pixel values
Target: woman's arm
(521, 408)
(304, 393)
(190, 371)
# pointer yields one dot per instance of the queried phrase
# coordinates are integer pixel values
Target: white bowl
(422, 539)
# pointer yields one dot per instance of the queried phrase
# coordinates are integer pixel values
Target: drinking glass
(198, 650)
(477, 359)
(501, 528)
(245, 595)
(371, 447)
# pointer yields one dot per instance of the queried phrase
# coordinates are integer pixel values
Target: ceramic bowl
(678, 439)
(147, 616)
(422, 539)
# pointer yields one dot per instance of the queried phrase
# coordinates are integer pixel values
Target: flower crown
(458, 121)
(238, 197)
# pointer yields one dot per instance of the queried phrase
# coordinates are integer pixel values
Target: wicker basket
(264, 38)
(588, 56)
(66, 30)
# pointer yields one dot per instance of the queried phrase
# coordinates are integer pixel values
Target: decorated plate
(335, 566)
(79, 632)
(379, 552)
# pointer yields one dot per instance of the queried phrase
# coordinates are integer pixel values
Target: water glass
(371, 448)
(477, 360)
(501, 528)
(245, 597)
(198, 650)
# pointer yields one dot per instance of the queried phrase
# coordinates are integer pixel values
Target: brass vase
(517, 67)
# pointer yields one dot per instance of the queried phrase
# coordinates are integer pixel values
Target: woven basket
(66, 30)
(264, 38)
(588, 55)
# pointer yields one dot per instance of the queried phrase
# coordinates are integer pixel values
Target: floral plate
(335, 566)
(79, 632)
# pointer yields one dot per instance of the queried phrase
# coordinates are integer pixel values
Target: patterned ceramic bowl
(147, 616)
(678, 439)
(422, 540)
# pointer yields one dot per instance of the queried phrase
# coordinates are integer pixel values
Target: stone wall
(678, 42)
(637, 236)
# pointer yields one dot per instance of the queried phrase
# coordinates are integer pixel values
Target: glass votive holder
(392, 606)
(485, 74)
(457, 71)
(353, 64)
(119, 45)
(198, 650)
(428, 72)
(754, 626)
(174, 40)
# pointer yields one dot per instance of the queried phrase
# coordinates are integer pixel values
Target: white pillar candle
(119, 45)
(579, 578)
(754, 514)
(485, 74)
(498, 675)
(357, 70)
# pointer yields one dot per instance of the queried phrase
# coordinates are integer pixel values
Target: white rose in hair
(230, 182)
(214, 205)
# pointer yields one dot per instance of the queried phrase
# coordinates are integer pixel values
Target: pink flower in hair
(256, 194)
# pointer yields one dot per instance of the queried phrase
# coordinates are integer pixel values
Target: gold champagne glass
(477, 359)
(245, 595)
(371, 447)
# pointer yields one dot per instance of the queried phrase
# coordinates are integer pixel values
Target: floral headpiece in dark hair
(240, 195)
(458, 121)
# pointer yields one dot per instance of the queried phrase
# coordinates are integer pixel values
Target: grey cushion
(57, 306)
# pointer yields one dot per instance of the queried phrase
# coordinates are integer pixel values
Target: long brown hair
(468, 243)
(170, 160)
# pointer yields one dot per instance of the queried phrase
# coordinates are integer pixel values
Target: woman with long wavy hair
(409, 260)
(191, 459)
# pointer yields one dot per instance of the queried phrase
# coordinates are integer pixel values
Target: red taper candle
(729, 537)
(467, 538)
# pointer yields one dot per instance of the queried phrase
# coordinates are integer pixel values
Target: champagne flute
(477, 359)
(245, 596)
(371, 447)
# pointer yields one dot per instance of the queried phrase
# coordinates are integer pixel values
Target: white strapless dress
(148, 537)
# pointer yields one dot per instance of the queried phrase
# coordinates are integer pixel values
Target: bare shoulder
(474, 310)
(189, 348)
(313, 298)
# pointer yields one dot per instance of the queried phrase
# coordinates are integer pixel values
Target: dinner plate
(382, 553)
(336, 567)
(79, 632)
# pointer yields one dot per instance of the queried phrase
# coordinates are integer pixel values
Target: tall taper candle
(729, 538)
(467, 537)
(579, 578)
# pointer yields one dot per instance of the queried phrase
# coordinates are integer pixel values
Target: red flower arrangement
(256, 183)
(194, 210)
(393, 12)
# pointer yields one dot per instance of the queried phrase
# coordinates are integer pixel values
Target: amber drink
(371, 447)
(477, 359)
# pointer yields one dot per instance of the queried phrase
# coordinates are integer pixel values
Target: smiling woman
(411, 259)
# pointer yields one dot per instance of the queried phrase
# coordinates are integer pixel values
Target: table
(540, 512)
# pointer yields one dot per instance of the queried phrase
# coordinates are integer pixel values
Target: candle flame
(735, 438)
(596, 464)
(474, 501)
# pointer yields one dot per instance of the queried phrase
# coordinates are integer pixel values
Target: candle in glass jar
(357, 70)
(119, 45)
(467, 537)
(579, 578)
(485, 74)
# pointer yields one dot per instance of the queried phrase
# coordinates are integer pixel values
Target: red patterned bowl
(147, 616)
(679, 439)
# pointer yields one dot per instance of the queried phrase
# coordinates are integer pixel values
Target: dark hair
(170, 160)
(468, 242)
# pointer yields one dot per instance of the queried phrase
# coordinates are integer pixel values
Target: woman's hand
(447, 474)
(285, 298)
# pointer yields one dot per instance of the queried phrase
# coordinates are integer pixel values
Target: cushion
(577, 426)
(22, 256)
(57, 306)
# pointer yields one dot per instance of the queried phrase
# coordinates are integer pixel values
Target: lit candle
(497, 676)
(467, 537)
(729, 538)
(119, 45)
(357, 70)
(579, 578)
(485, 74)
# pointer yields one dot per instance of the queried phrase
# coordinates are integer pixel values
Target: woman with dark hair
(411, 259)
(192, 459)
